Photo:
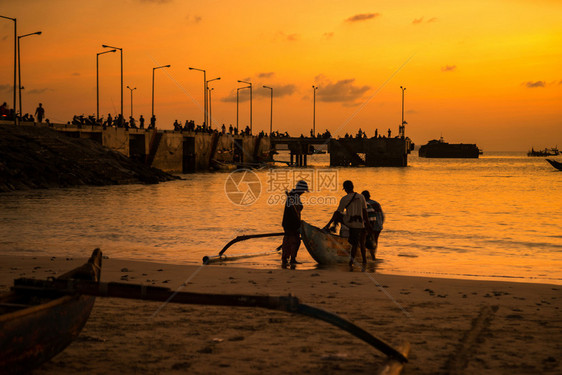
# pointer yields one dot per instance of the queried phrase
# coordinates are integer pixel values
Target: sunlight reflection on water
(494, 217)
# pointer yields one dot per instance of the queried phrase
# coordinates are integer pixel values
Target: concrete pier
(188, 151)
(349, 152)
(175, 151)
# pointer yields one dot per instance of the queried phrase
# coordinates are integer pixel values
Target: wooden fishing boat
(326, 248)
(555, 164)
(35, 325)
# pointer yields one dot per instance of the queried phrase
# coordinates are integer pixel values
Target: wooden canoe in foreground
(52, 312)
(36, 327)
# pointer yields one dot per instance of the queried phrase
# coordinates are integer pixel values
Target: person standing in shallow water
(376, 218)
(352, 212)
(292, 223)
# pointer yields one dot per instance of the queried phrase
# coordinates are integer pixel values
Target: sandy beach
(452, 325)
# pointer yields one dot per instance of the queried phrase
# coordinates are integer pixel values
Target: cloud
(418, 21)
(278, 91)
(560, 82)
(532, 85)
(329, 35)
(5, 88)
(362, 17)
(411, 112)
(343, 91)
(448, 68)
(193, 19)
(75, 74)
(155, 1)
(266, 75)
(288, 37)
(258, 91)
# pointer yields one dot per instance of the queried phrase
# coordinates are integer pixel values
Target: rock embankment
(37, 158)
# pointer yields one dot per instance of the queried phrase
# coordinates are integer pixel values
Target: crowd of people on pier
(8, 114)
(119, 121)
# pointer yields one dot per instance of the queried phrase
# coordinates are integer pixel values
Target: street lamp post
(15, 61)
(250, 85)
(403, 123)
(210, 91)
(314, 88)
(238, 100)
(204, 92)
(207, 119)
(19, 65)
(153, 69)
(98, 82)
(131, 98)
(121, 51)
(271, 110)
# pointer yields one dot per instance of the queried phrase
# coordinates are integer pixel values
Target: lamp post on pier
(204, 92)
(250, 86)
(15, 62)
(153, 69)
(19, 65)
(132, 89)
(270, 111)
(98, 82)
(210, 92)
(402, 130)
(314, 88)
(238, 100)
(207, 100)
(121, 51)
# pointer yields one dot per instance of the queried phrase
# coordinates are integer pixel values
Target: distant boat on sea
(546, 152)
(555, 164)
(441, 149)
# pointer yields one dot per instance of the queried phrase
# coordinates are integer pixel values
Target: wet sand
(452, 325)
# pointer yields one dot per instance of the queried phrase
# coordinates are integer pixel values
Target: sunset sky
(485, 72)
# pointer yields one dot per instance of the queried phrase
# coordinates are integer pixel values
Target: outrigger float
(39, 318)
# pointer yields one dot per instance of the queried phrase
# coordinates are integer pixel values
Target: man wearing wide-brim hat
(292, 223)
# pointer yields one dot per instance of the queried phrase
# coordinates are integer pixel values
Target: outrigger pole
(288, 303)
(213, 258)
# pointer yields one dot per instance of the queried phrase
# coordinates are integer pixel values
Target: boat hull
(31, 335)
(555, 164)
(325, 248)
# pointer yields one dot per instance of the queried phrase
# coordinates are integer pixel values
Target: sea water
(498, 217)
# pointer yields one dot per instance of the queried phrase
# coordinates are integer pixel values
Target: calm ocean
(498, 217)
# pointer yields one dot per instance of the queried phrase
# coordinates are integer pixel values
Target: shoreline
(435, 315)
(306, 266)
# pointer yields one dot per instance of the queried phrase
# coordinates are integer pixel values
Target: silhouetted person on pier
(120, 121)
(376, 133)
(132, 122)
(152, 122)
(141, 122)
(389, 132)
(109, 121)
(4, 112)
(247, 130)
(223, 129)
(230, 129)
(40, 113)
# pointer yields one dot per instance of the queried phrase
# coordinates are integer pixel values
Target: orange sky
(485, 72)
